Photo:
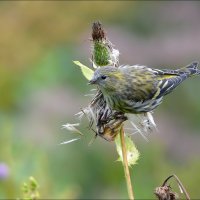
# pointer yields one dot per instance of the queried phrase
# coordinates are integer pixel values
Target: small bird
(138, 89)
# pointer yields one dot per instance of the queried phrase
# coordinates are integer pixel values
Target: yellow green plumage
(138, 89)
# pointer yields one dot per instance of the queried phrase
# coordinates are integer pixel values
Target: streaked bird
(139, 89)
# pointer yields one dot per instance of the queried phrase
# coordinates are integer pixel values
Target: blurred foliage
(38, 41)
(30, 189)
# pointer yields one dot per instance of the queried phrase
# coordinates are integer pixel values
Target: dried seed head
(165, 193)
(106, 120)
(110, 130)
(97, 31)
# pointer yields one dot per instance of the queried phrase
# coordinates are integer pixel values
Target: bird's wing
(140, 82)
(145, 87)
(167, 80)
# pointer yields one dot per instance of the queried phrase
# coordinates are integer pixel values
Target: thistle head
(106, 77)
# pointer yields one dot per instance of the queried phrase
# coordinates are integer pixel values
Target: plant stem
(125, 165)
(180, 185)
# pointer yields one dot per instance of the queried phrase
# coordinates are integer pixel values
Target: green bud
(33, 183)
(25, 188)
(101, 54)
(30, 189)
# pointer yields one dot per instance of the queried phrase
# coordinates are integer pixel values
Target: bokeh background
(41, 89)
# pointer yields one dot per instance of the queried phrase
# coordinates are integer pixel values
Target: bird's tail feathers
(192, 68)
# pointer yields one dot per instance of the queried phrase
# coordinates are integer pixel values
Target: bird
(139, 89)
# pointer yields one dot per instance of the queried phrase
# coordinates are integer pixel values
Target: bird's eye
(103, 77)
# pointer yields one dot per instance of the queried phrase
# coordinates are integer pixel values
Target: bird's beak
(92, 81)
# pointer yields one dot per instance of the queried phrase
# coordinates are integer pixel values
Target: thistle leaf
(132, 152)
(87, 72)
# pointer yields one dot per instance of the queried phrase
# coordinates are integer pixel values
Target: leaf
(132, 152)
(87, 72)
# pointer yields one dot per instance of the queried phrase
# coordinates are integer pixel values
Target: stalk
(125, 165)
(104, 54)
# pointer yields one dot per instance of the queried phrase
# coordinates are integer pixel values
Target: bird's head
(106, 77)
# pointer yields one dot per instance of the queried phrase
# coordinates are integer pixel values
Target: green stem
(125, 165)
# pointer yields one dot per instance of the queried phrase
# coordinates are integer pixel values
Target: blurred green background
(41, 89)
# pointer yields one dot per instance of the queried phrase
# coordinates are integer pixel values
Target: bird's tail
(175, 77)
(191, 69)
